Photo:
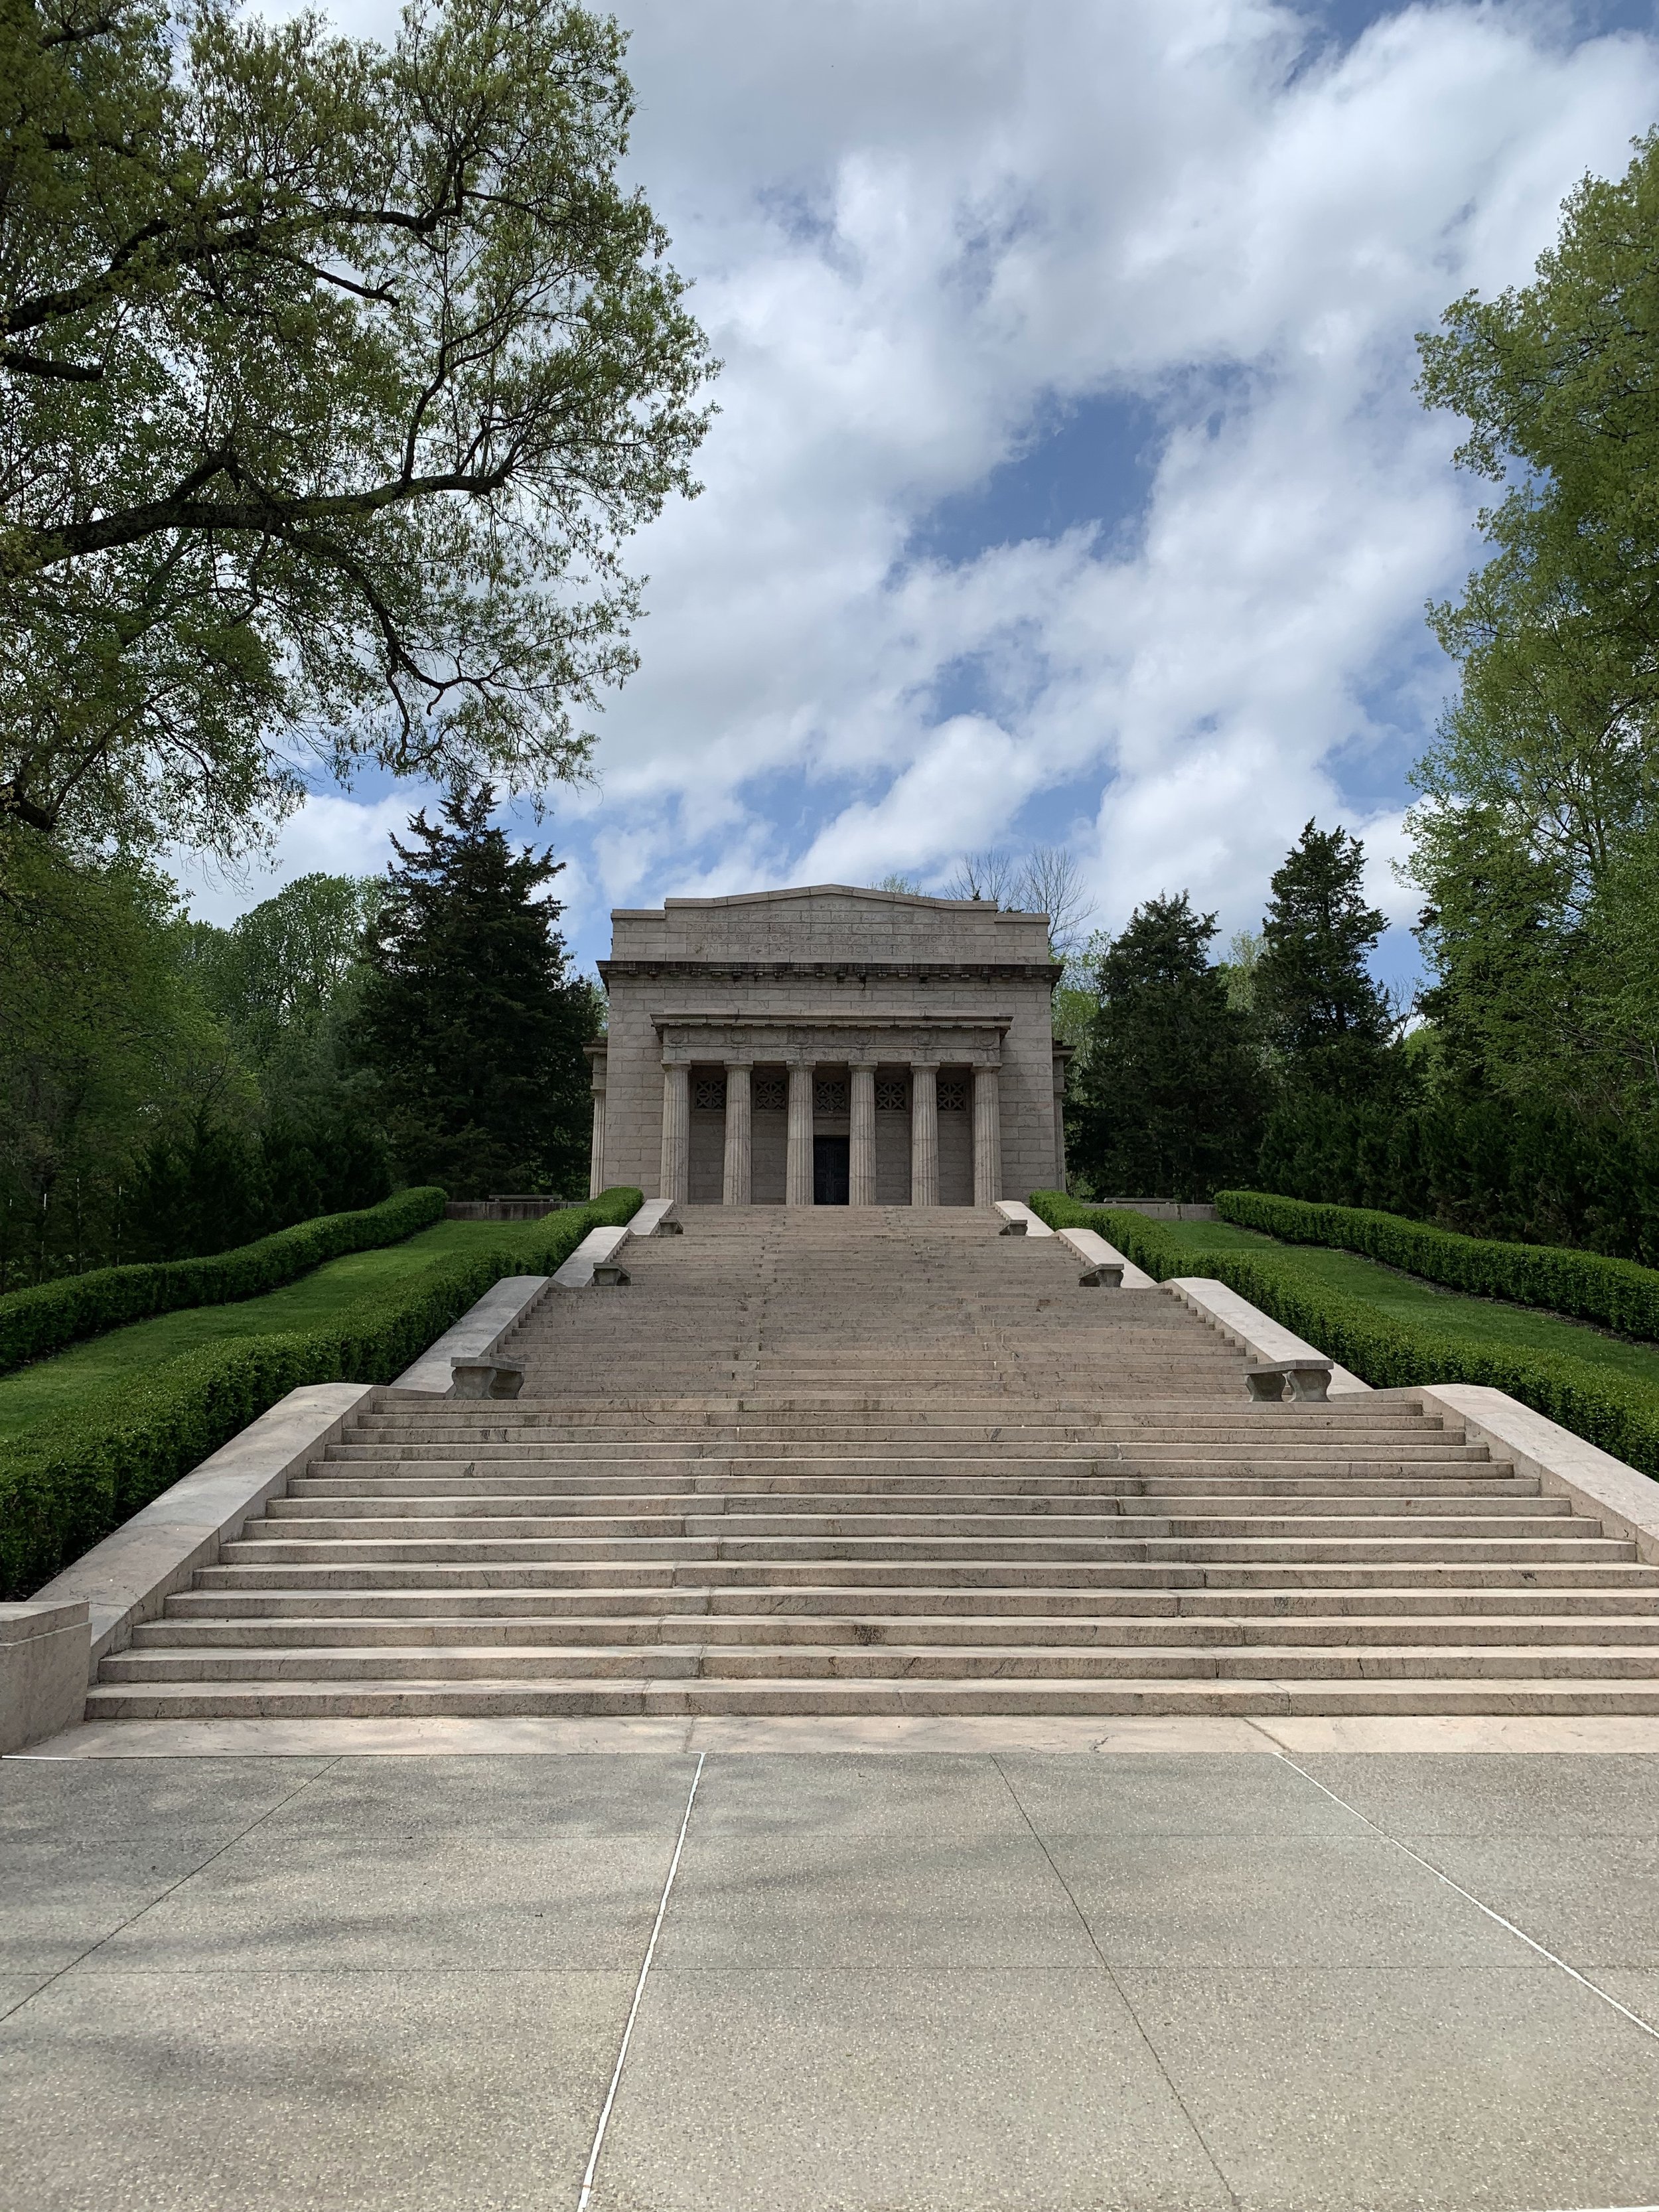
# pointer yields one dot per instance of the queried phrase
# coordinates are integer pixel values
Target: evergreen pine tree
(468, 1019)
(1169, 1102)
(1327, 1022)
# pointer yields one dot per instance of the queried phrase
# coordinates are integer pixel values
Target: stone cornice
(752, 971)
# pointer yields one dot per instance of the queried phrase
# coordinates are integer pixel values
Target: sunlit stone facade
(828, 1046)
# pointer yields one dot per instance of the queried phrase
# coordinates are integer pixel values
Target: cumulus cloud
(921, 232)
(330, 836)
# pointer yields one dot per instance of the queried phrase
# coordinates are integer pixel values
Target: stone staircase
(884, 1461)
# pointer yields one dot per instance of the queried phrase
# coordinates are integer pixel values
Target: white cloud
(914, 226)
(329, 836)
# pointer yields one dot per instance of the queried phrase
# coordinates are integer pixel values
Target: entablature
(837, 1040)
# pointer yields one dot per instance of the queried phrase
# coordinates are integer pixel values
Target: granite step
(1608, 1597)
(879, 1663)
(809, 1467)
(383, 1699)
(314, 1630)
(997, 1573)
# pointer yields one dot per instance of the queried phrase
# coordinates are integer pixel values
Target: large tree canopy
(1329, 1024)
(1538, 839)
(334, 377)
(468, 1019)
(1169, 1100)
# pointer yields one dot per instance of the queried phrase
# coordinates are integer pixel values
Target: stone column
(797, 1173)
(924, 1135)
(1062, 1061)
(861, 1150)
(595, 1061)
(735, 1190)
(987, 1138)
(675, 1134)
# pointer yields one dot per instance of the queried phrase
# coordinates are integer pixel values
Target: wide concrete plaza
(900, 1979)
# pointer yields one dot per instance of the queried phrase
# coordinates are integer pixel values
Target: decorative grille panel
(709, 1094)
(829, 1098)
(892, 1097)
(953, 1096)
(771, 1094)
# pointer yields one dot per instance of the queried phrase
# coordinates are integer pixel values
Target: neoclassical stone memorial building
(828, 1046)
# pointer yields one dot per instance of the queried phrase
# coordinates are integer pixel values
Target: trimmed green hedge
(1615, 1294)
(52, 1315)
(1607, 1408)
(67, 1483)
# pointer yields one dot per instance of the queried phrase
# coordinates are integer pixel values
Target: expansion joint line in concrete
(1122, 1996)
(1531, 1942)
(160, 1897)
(592, 2165)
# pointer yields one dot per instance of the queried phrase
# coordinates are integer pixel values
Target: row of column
(861, 1145)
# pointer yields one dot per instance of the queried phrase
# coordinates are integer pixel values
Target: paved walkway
(961, 1980)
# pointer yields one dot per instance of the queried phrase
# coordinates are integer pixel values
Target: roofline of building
(821, 890)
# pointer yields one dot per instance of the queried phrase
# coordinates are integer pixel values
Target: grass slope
(1408, 1298)
(107, 1427)
(1395, 1332)
(51, 1387)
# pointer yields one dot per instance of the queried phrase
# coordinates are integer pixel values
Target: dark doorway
(831, 1171)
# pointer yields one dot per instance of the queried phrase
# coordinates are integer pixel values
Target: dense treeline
(170, 1089)
(1288, 1070)
(1529, 1170)
(1185, 1066)
(145, 1112)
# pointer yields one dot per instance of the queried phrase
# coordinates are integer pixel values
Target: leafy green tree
(1245, 947)
(1169, 1101)
(105, 1043)
(1328, 1023)
(1510, 1012)
(284, 977)
(1538, 839)
(468, 1016)
(336, 377)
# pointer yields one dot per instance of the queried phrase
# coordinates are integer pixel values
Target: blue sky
(1068, 486)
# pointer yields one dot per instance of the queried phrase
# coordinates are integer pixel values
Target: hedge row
(1598, 1403)
(50, 1315)
(1616, 1294)
(67, 1482)
(1530, 1173)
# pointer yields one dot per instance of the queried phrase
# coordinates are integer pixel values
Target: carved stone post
(595, 1061)
(861, 1148)
(675, 1134)
(987, 1138)
(798, 1173)
(735, 1190)
(924, 1133)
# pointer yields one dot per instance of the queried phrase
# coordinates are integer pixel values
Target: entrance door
(831, 1171)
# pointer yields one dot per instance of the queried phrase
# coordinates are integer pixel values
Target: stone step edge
(1491, 1697)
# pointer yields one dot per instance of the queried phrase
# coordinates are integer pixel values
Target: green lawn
(54, 1385)
(1408, 1298)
